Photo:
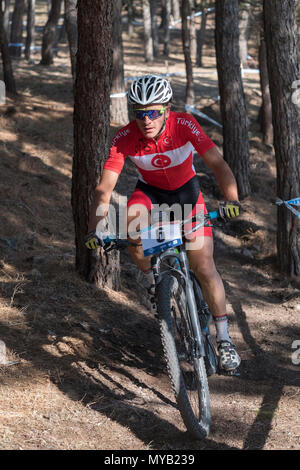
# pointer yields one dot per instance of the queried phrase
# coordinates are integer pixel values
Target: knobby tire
(187, 372)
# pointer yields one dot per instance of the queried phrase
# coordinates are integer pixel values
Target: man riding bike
(160, 143)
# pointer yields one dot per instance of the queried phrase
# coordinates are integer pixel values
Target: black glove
(229, 209)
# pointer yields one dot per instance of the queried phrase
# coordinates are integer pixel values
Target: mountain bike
(184, 319)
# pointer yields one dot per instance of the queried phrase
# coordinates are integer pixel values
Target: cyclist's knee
(205, 270)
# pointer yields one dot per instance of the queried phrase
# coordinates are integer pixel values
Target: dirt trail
(89, 372)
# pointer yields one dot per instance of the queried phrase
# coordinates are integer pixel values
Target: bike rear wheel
(186, 371)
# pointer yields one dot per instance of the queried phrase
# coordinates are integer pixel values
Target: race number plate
(160, 237)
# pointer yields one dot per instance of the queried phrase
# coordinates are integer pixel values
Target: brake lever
(109, 247)
(117, 244)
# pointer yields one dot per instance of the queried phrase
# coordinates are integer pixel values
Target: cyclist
(160, 143)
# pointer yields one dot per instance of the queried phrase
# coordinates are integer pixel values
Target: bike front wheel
(186, 370)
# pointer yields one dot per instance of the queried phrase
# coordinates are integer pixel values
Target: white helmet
(150, 89)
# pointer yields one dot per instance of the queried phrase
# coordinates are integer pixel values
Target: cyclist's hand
(229, 209)
(93, 240)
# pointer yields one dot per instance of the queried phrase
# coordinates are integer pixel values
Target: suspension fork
(189, 291)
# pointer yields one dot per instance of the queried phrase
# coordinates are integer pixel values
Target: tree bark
(118, 104)
(30, 28)
(49, 35)
(175, 10)
(166, 26)
(8, 75)
(266, 107)
(16, 33)
(130, 18)
(6, 17)
(283, 67)
(244, 16)
(193, 31)
(148, 41)
(233, 108)
(91, 131)
(190, 94)
(201, 37)
(154, 28)
(71, 28)
(62, 35)
(298, 21)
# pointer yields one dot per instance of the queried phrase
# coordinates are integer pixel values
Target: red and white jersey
(167, 162)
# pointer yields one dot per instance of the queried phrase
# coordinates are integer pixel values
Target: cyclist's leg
(136, 252)
(202, 263)
(138, 217)
(201, 259)
(200, 250)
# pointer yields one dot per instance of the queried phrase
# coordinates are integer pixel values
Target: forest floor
(85, 366)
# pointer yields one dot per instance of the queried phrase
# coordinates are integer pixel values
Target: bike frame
(181, 272)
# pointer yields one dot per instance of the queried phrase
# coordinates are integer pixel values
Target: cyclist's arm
(102, 196)
(226, 180)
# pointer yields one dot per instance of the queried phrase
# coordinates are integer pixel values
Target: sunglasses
(151, 113)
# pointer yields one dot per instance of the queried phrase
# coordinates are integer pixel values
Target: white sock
(221, 323)
(149, 276)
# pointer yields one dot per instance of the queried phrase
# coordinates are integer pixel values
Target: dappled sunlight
(7, 136)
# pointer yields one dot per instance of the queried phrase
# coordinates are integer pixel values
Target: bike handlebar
(214, 215)
(112, 242)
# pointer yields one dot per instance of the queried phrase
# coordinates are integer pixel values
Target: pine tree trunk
(266, 110)
(8, 75)
(244, 16)
(283, 67)
(298, 21)
(6, 17)
(71, 28)
(175, 10)
(201, 37)
(91, 131)
(233, 108)
(30, 28)
(118, 104)
(61, 35)
(193, 31)
(154, 28)
(16, 33)
(190, 94)
(148, 41)
(130, 18)
(166, 24)
(49, 35)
